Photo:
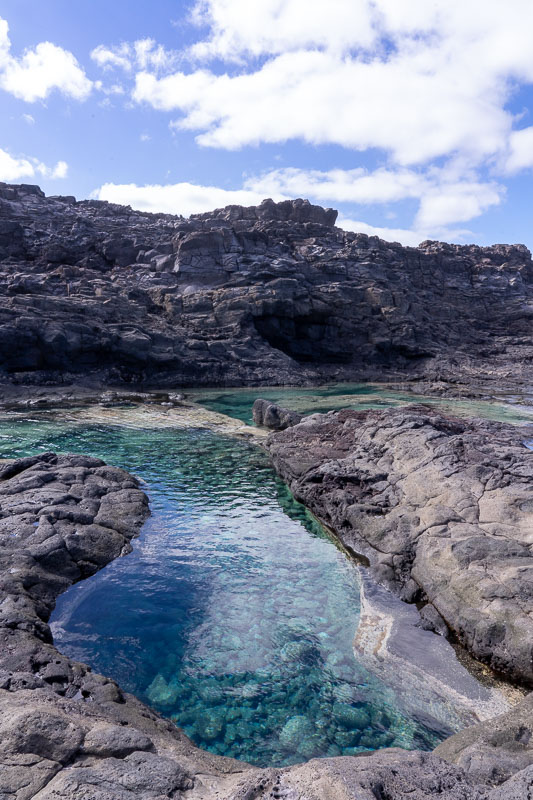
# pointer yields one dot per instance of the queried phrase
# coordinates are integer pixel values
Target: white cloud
(59, 171)
(11, 169)
(520, 155)
(29, 119)
(142, 54)
(178, 198)
(39, 71)
(399, 106)
(444, 198)
(419, 80)
(14, 168)
(115, 88)
(239, 27)
(342, 186)
(111, 58)
(456, 202)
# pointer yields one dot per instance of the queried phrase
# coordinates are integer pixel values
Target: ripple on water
(235, 614)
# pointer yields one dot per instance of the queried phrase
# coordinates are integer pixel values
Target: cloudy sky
(413, 117)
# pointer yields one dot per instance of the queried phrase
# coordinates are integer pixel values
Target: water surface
(235, 614)
(360, 396)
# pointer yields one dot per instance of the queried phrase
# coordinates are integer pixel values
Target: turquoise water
(235, 613)
(238, 403)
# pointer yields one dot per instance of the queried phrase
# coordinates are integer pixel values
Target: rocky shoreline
(439, 509)
(66, 732)
(442, 508)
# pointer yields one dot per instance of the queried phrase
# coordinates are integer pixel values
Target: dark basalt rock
(441, 507)
(270, 294)
(67, 733)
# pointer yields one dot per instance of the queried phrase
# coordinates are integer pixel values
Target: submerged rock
(161, 694)
(295, 731)
(350, 717)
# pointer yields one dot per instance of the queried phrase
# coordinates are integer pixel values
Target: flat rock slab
(441, 507)
(67, 733)
(428, 680)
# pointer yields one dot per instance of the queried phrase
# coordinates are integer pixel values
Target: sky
(414, 118)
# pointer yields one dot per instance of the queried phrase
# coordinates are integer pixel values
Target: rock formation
(441, 507)
(269, 415)
(268, 294)
(67, 733)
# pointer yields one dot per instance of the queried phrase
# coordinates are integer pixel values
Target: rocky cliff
(268, 294)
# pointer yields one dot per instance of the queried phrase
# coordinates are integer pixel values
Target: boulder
(270, 415)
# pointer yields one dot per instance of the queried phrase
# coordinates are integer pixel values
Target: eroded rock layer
(442, 508)
(267, 294)
(67, 733)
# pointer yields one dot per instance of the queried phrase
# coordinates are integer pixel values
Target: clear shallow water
(238, 403)
(235, 613)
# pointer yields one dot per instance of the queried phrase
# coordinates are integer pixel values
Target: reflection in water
(235, 614)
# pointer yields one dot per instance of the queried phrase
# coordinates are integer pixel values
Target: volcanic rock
(441, 507)
(270, 294)
(270, 415)
(67, 733)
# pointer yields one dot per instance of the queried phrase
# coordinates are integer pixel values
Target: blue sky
(412, 117)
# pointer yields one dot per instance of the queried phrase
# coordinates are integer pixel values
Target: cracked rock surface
(269, 294)
(67, 733)
(442, 508)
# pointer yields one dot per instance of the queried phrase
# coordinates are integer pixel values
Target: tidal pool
(235, 613)
(238, 403)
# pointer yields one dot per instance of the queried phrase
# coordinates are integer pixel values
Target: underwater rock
(161, 694)
(295, 730)
(301, 652)
(209, 726)
(350, 717)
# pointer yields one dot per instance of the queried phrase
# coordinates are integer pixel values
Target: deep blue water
(235, 613)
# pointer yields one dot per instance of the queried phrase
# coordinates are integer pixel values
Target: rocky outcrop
(264, 295)
(441, 507)
(67, 733)
(388, 775)
(270, 415)
(495, 750)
